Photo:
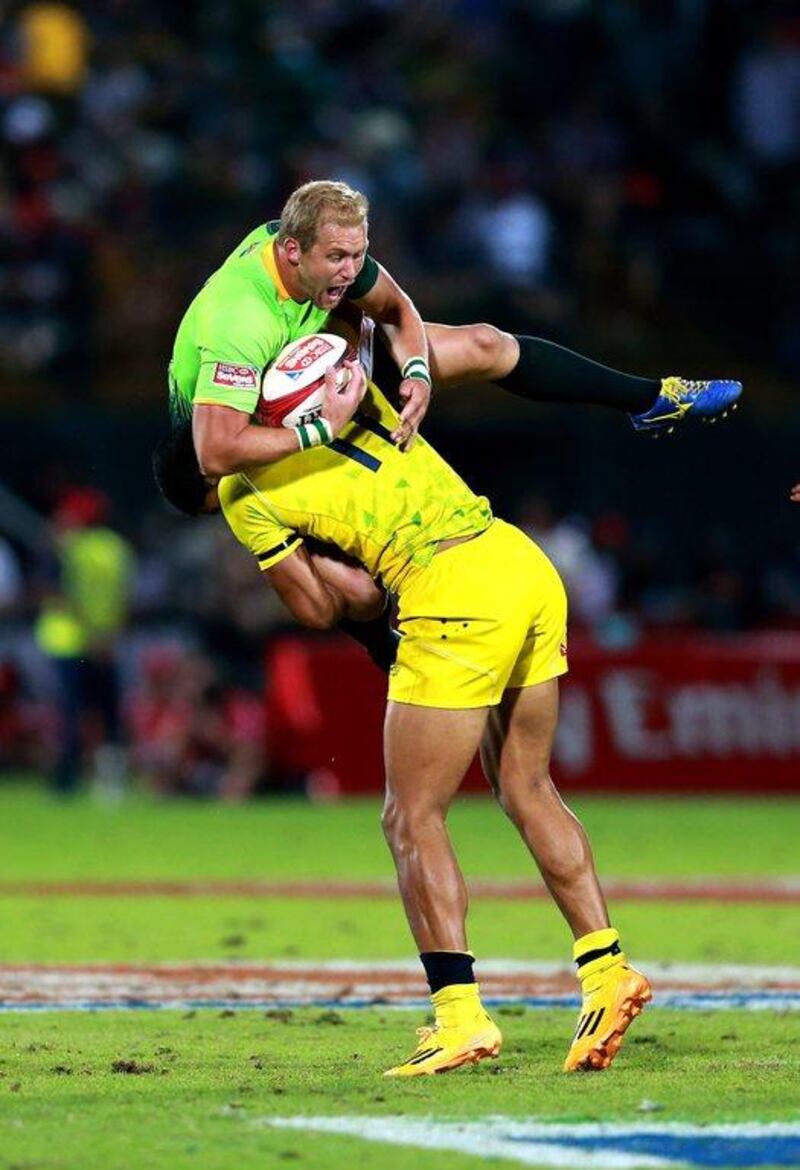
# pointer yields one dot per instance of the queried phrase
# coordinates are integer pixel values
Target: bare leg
(470, 353)
(467, 353)
(516, 758)
(427, 751)
(533, 368)
(539, 370)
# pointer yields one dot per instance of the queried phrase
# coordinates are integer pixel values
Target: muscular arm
(226, 442)
(320, 590)
(388, 304)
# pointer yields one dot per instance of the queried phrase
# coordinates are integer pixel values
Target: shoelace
(677, 393)
(692, 387)
(426, 1032)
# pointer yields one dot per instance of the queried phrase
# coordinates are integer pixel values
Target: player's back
(386, 507)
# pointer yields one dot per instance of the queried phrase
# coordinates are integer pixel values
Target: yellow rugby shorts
(483, 616)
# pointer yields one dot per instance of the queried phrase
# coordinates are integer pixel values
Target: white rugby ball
(293, 387)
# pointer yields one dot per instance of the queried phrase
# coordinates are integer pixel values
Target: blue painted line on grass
(695, 1149)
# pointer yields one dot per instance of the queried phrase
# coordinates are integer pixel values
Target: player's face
(332, 263)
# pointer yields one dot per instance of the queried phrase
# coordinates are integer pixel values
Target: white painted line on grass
(476, 1139)
(744, 974)
(617, 1146)
(365, 984)
(746, 1001)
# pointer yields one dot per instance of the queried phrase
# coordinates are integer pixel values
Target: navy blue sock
(444, 968)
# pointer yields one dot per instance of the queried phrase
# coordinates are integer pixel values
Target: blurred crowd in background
(621, 176)
(562, 161)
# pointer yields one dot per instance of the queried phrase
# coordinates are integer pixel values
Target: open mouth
(335, 292)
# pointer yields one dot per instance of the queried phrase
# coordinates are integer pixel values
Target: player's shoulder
(233, 303)
(239, 502)
(255, 239)
(237, 497)
(243, 266)
(244, 491)
(231, 289)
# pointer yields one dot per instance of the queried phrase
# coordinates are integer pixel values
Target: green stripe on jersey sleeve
(365, 281)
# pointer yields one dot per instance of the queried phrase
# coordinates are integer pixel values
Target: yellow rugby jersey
(385, 507)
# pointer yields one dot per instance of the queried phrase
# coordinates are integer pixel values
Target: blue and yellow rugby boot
(613, 996)
(680, 397)
(463, 1033)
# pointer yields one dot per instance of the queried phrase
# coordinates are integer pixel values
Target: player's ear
(292, 250)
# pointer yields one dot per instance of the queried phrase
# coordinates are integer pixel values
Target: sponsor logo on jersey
(305, 353)
(563, 649)
(242, 377)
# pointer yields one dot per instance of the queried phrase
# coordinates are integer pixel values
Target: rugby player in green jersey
(287, 276)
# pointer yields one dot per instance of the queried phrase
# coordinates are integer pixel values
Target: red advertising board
(680, 714)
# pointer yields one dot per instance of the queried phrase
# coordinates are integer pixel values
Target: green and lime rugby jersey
(237, 325)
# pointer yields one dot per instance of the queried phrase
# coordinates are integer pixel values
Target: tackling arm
(320, 590)
(326, 589)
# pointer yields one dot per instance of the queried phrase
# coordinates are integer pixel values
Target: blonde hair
(318, 202)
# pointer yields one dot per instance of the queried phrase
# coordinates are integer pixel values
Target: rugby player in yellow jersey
(483, 617)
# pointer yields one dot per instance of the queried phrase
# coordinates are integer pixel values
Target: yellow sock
(457, 1005)
(597, 951)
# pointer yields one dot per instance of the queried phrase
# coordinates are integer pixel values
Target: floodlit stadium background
(619, 177)
(622, 177)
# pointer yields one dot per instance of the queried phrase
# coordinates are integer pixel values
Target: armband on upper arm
(273, 556)
(365, 281)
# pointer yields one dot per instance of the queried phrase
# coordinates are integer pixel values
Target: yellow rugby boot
(614, 994)
(464, 1033)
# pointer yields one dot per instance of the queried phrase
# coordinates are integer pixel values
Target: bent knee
(402, 822)
(488, 345)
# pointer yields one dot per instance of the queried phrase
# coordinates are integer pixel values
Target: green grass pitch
(171, 1089)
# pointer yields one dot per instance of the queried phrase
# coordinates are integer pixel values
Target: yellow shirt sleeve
(253, 524)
